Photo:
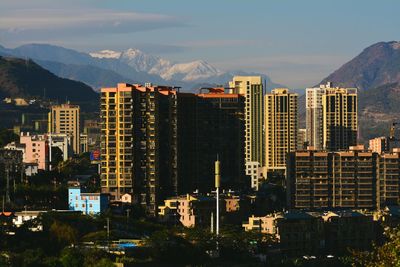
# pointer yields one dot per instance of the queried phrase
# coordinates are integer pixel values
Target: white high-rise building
(314, 116)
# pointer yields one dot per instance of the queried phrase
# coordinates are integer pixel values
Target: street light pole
(217, 185)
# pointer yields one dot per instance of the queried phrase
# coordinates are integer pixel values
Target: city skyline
(296, 44)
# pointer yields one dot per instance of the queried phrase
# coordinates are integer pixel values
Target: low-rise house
(24, 216)
(190, 210)
(314, 233)
(36, 149)
(87, 203)
(196, 209)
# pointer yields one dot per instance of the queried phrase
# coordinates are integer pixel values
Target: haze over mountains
(131, 65)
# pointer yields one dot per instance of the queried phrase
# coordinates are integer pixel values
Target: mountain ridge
(25, 78)
(131, 64)
(376, 65)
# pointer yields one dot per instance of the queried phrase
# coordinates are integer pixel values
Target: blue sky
(297, 43)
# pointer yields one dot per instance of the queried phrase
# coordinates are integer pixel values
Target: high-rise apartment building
(65, 119)
(342, 179)
(252, 88)
(157, 142)
(314, 116)
(281, 128)
(220, 130)
(139, 143)
(388, 183)
(331, 117)
(339, 118)
(210, 125)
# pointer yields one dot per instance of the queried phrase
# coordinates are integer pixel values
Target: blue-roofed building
(87, 203)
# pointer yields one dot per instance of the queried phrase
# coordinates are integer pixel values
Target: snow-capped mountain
(191, 71)
(106, 54)
(107, 67)
(144, 62)
(140, 61)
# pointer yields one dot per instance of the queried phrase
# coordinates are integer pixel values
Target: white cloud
(81, 21)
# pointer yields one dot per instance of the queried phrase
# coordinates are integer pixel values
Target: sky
(296, 43)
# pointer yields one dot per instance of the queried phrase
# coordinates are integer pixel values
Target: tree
(64, 233)
(71, 257)
(56, 156)
(7, 136)
(97, 258)
(386, 255)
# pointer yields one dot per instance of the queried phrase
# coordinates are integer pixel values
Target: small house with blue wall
(87, 203)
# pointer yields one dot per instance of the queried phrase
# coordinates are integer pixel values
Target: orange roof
(126, 87)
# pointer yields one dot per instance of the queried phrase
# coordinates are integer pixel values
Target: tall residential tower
(252, 88)
(331, 117)
(339, 118)
(281, 128)
(139, 143)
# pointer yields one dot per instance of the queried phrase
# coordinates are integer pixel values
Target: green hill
(24, 78)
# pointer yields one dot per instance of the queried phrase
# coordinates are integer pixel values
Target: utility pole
(217, 185)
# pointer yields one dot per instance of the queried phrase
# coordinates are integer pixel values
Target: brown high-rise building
(210, 124)
(388, 184)
(220, 132)
(65, 119)
(340, 122)
(157, 142)
(321, 180)
(139, 143)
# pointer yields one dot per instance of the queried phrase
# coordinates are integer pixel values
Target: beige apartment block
(331, 117)
(138, 143)
(65, 119)
(281, 128)
(378, 144)
(340, 120)
(252, 88)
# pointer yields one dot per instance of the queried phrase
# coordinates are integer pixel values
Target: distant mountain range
(25, 78)
(105, 68)
(375, 71)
